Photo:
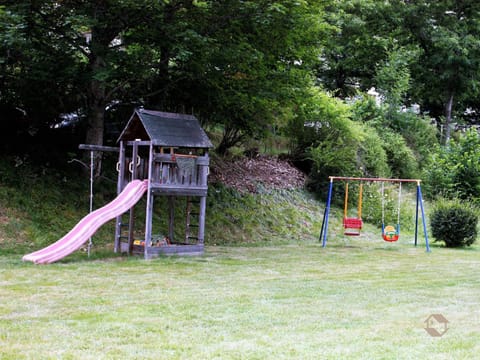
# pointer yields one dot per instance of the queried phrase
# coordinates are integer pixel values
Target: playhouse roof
(165, 129)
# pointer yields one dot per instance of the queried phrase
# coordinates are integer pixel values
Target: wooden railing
(183, 171)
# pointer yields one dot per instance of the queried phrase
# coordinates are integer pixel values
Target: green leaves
(454, 223)
(454, 171)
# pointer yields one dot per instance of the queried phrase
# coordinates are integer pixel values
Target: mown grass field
(265, 288)
(356, 299)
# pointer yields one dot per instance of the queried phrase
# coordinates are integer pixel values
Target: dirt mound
(247, 174)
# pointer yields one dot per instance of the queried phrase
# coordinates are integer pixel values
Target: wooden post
(201, 219)
(131, 221)
(120, 182)
(203, 201)
(171, 217)
(149, 210)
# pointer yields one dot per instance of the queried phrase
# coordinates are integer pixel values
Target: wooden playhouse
(171, 151)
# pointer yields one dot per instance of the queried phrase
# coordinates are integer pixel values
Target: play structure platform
(160, 155)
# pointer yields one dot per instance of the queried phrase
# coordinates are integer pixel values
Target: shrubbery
(324, 139)
(454, 223)
(332, 138)
(454, 171)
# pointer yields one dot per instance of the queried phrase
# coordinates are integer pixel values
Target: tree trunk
(231, 137)
(95, 113)
(94, 135)
(448, 117)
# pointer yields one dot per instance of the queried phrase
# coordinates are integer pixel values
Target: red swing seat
(352, 226)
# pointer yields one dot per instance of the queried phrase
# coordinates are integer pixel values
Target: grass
(363, 301)
(265, 289)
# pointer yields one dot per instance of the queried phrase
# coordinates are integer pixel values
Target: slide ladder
(193, 213)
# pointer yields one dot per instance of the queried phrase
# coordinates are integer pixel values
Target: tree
(254, 57)
(393, 77)
(234, 63)
(83, 55)
(446, 75)
(454, 171)
(362, 32)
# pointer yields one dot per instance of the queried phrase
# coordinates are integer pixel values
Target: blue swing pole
(420, 199)
(323, 224)
(326, 214)
(416, 213)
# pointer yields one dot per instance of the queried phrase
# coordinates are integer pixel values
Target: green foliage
(42, 202)
(454, 223)
(336, 145)
(324, 136)
(454, 171)
(249, 81)
(359, 39)
(372, 155)
(419, 133)
(267, 217)
(393, 76)
(236, 64)
(402, 157)
(466, 157)
(438, 175)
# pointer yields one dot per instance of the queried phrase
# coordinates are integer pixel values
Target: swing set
(353, 225)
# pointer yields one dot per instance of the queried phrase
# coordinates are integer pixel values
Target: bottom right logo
(436, 325)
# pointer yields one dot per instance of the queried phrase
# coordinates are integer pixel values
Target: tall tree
(261, 56)
(446, 75)
(235, 63)
(362, 33)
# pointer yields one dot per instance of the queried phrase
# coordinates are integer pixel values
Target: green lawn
(355, 299)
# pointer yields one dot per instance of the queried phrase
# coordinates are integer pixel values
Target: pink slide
(86, 227)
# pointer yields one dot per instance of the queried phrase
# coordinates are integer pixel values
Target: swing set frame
(326, 214)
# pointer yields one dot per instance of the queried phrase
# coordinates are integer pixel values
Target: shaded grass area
(39, 205)
(362, 301)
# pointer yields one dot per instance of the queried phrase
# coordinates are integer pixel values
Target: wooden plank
(201, 160)
(171, 217)
(139, 142)
(98, 148)
(149, 210)
(120, 186)
(201, 219)
(162, 189)
(155, 251)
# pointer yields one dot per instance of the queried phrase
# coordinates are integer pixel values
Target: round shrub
(454, 223)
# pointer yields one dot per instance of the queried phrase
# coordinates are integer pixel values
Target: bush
(401, 158)
(324, 139)
(419, 133)
(406, 138)
(454, 171)
(371, 156)
(454, 223)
